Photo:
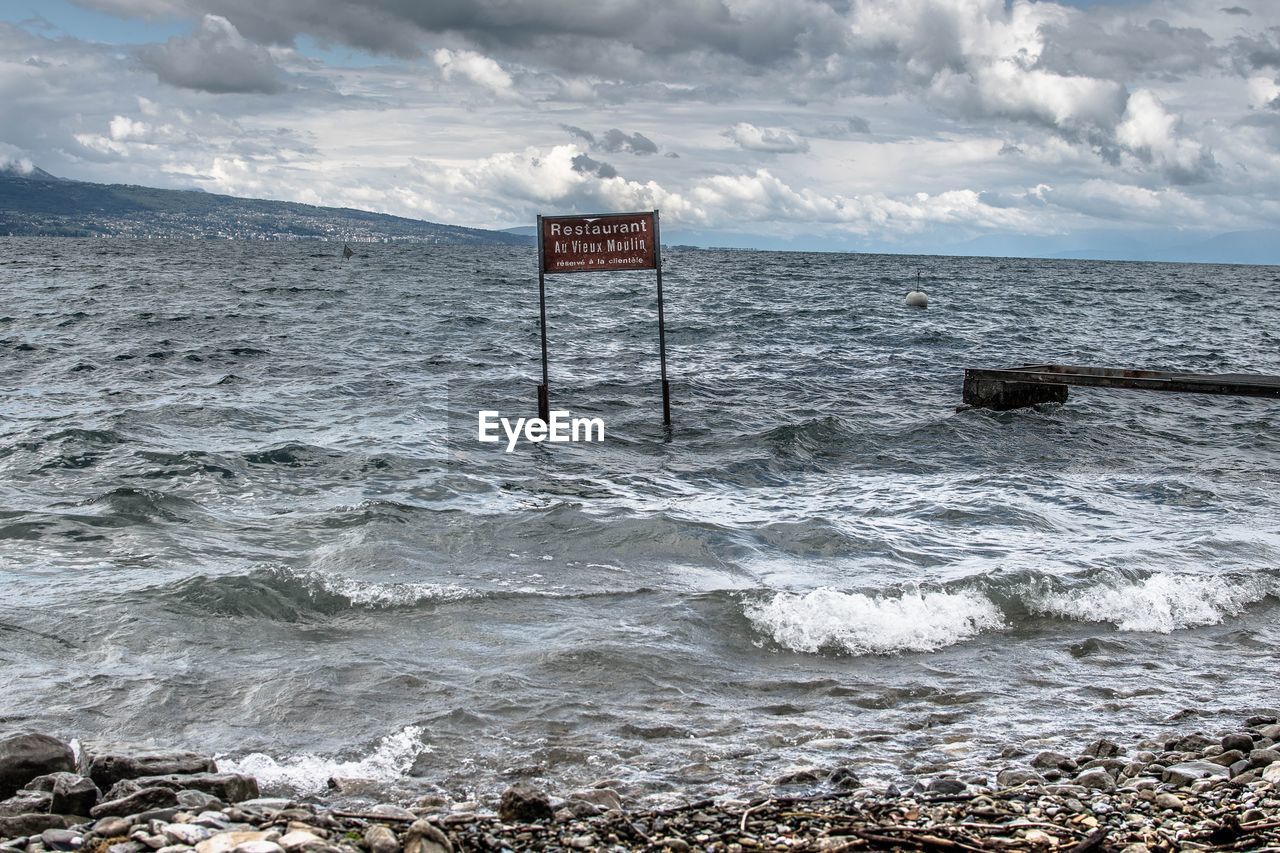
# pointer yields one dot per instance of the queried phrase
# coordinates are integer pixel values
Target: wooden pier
(1017, 387)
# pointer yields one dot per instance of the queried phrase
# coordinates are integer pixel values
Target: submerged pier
(1018, 387)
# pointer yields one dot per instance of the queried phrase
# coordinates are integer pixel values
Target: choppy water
(242, 509)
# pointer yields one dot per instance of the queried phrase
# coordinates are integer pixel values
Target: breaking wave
(857, 624)
(1161, 603)
(310, 774)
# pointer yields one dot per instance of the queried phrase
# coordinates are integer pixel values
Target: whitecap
(919, 621)
(373, 594)
(310, 774)
(1161, 603)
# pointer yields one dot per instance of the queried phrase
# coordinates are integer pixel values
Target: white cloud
(772, 140)
(475, 68)
(13, 159)
(123, 128)
(1263, 92)
(1154, 134)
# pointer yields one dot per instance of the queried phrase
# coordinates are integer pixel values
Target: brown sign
(613, 241)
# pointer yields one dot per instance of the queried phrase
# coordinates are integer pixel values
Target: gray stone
(1053, 760)
(186, 833)
(24, 757)
(1239, 740)
(1271, 773)
(26, 802)
(844, 778)
(225, 842)
(109, 768)
(258, 847)
(71, 792)
(1111, 765)
(390, 810)
(1103, 748)
(164, 815)
(1196, 742)
(127, 847)
(1191, 771)
(228, 787)
(1242, 766)
(199, 801)
(1012, 777)
(1226, 759)
(1259, 720)
(523, 804)
(176, 848)
(425, 837)
(274, 804)
(1264, 757)
(111, 827)
(122, 789)
(30, 824)
(946, 785)
(1096, 778)
(380, 839)
(299, 839)
(61, 839)
(602, 798)
(804, 776)
(145, 800)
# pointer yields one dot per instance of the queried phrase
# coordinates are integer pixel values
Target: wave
(307, 774)
(858, 624)
(291, 595)
(926, 620)
(1159, 604)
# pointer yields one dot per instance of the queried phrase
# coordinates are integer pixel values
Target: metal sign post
(662, 324)
(601, 243)
(544, 392)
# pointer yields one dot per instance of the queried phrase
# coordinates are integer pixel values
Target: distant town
(35, 203)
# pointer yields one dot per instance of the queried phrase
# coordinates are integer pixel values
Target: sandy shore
(1195, 791)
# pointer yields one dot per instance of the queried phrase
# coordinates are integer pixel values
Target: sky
(887, 125)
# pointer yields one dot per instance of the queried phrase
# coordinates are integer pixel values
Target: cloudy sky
(883, 124)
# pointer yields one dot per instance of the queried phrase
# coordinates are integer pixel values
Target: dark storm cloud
(758, 34)
(587, 166)
(585, 135)
(614, 141)
(617, 142)
(215, 58)
(1256, 52)
(1084, 47)
(1235, 10)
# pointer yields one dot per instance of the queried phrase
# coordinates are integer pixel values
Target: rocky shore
(1197, 791)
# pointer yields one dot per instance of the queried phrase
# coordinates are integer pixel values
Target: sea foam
(1161, 603)
(310, 774)
(853, 623)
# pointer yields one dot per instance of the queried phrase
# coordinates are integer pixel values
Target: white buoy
(918, 299)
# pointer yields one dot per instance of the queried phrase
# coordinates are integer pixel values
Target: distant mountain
(1233, 247)
(35, 174)
(36, 203)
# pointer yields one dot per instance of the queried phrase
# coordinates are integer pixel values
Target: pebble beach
(1199, 790)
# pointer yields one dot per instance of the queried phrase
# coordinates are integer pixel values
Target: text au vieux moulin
(629, 232)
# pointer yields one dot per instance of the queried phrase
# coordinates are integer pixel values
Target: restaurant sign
(599, 243)
(616, 241)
